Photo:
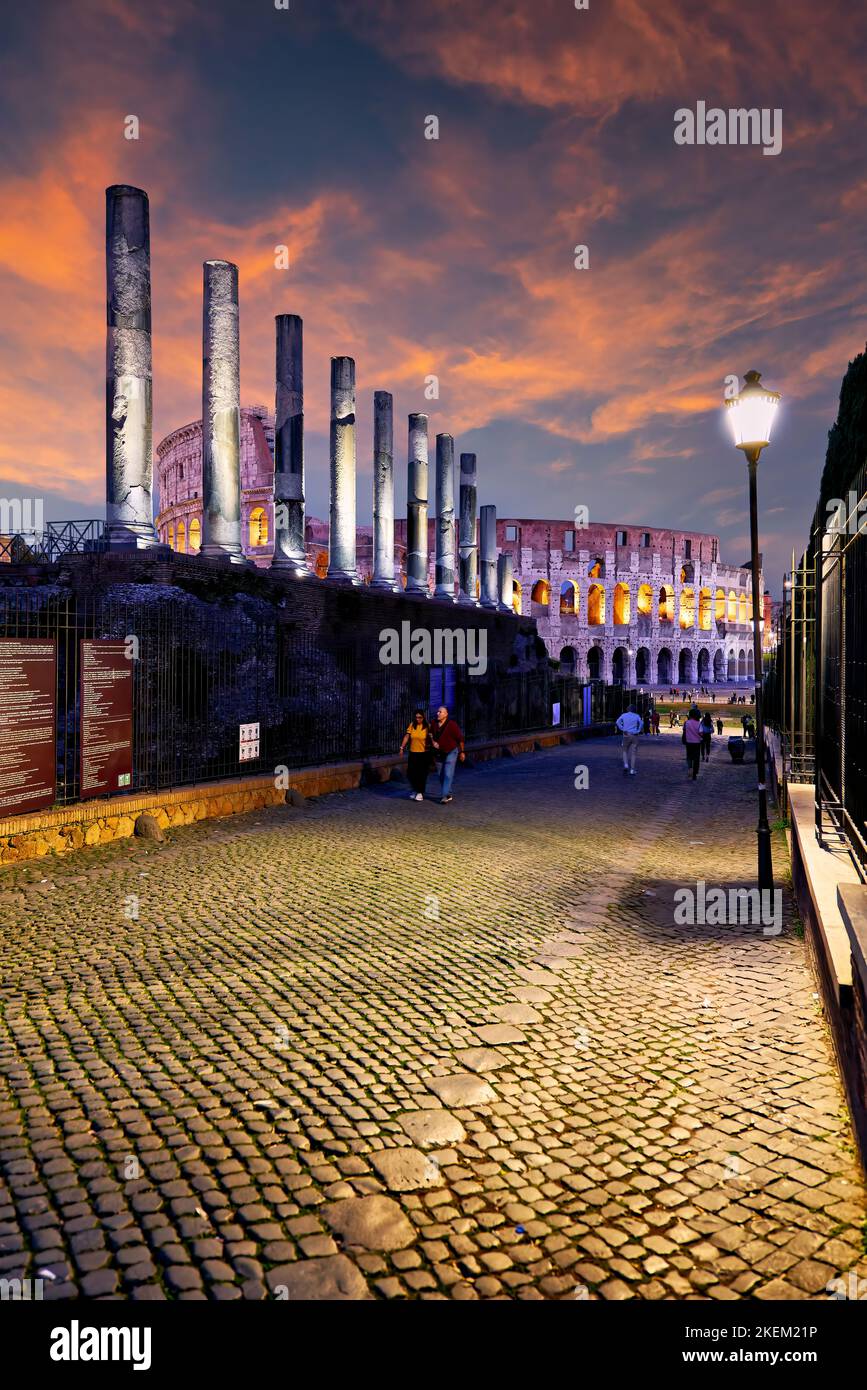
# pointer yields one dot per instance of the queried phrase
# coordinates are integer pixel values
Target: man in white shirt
(630, 725)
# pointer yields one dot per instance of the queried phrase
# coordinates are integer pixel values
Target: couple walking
(443, 738)
(697, 736)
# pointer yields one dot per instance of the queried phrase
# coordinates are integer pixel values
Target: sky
(305, 127)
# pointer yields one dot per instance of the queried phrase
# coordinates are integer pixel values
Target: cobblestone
(248, 1090)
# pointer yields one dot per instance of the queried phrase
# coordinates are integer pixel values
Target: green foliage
(847, 438)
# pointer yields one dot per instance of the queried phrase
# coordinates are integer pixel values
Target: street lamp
(751, 416)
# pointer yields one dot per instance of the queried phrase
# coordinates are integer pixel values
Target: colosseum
(631, 605)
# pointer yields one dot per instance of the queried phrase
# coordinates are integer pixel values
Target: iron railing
(56, 539)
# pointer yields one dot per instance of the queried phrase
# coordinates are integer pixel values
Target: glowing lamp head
(752, 413)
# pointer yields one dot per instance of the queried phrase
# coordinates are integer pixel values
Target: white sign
(248, 743)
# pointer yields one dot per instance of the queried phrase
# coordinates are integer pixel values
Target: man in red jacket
(448, 740)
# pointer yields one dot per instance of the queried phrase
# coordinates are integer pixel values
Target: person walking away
(419, 757)
(448, 740)
(630, 725)
(706, 736)
(654, 722)
(691, 736)
(719, 726)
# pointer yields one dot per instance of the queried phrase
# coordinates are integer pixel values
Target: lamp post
(751, 416)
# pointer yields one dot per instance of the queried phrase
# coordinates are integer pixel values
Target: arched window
(733, 606)
(687, 607)
(645, 601)
(568, 597)
(597, 569)
(742, 608)
(622, 604)
(195, 533)
(568, 659)
(720, 606)
(171, 534)
(258, 526)
(516, 596)
(666, 604)
(182, 538)
(704, 613)
(596, 606)
(750, 609)
(541, 593)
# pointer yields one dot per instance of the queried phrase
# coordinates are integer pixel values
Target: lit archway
(720, 606)
(322, 566)
(596, 606)
(195, 533)
(733, 606)
(516, 596)
(687, 608)
(663, 666)
(258, 527)
(541, 593)
(666, 604)
(742, 609)
(597, 569)
(568, 598)
(704, 610)
(644, 603)
(182, 538)
(622, 604)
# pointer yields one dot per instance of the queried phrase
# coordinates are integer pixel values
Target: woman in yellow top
(419, 759)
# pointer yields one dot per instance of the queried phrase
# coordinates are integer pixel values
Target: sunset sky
(454, 257)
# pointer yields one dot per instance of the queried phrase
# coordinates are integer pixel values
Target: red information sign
(106, 718)
(28, 683)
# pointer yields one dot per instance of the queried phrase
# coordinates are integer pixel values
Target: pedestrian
(706, 736)
(719, 726)
(654, 722)
(420, 754)
(691, 736)
(647, 721)
(630, 725)
(448, 740)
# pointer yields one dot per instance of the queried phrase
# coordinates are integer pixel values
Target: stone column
(505, 582)
(469, 563)
(221, 414)
(416, 508)
(445, 561)
(341, 534)
(488, 556)
(383, 493)
(128, 382)
(290, 549)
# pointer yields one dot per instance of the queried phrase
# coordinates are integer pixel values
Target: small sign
(555, 714)
(248, 744)
(106, 681)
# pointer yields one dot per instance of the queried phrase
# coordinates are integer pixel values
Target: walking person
(420, 752)
(691, 736)
(448, 740)
(706, 736)
(630, 725)
(719, 726)
(654, 722)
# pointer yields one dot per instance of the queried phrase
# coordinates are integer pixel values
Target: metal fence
(202, 670)
(52, 542)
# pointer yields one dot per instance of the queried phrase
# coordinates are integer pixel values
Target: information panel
(106, 717)
(28, 684)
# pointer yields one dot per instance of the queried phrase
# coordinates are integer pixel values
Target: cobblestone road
(371, 1048)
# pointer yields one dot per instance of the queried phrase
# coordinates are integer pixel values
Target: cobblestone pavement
(371, 1048)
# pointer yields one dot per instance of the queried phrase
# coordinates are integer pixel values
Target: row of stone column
(129, 479)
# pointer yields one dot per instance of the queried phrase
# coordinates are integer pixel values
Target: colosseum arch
(720, 606)
(704, 664)
(749, 608)
(596, 569)
(568, 597)
(642, 665)
(704, 609)
(195, 533)
(645, 601)
(258, 527)
(541, 593)
(568, 660)
(742, 665)
(596, 606)
(685, 670)
(750, 663)
(687, 607)
(666, 603)
(594, 663)
(732, 666)
(182, 538)
(620, 666)
(663, 666)
(622, 605)
(733, 606)
(742, 608)
(170, 534)
(517, 591)
(719, 666)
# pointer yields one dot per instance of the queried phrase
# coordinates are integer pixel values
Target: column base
(348, 577)
(132, 537)
(386, 586)
(233, 556)
(467, 601)
(416, 590)
(445, 595)
(285, 564)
